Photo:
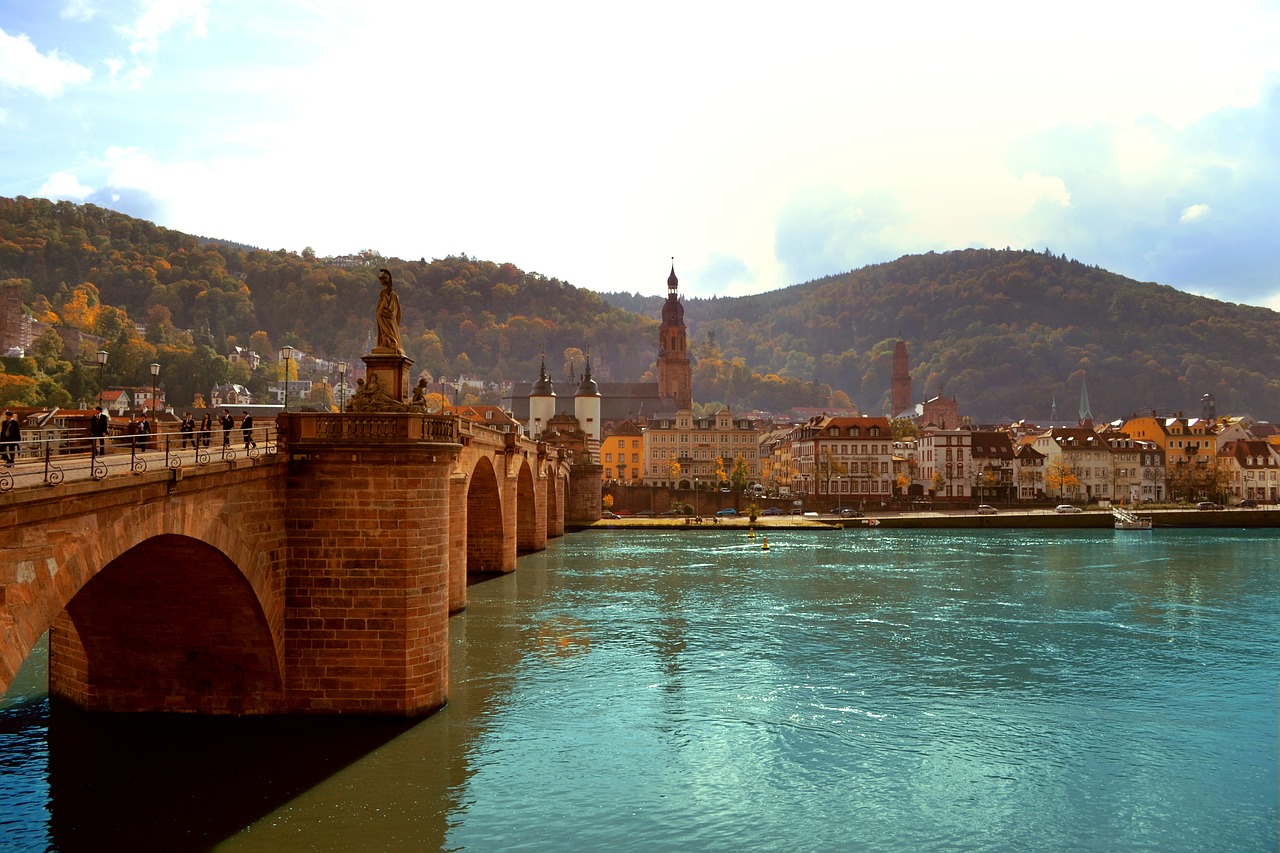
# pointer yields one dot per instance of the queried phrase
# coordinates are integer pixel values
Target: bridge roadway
(317, 576)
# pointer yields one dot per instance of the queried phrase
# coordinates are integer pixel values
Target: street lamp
(696, 514)
(286, 355)
(102, 362)
(342, 386)
(155, 372)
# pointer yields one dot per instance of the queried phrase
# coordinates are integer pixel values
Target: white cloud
(157, 19)
(80, 11)
(24, 67)
(1194, 213)
(160, 16)
(64, 185)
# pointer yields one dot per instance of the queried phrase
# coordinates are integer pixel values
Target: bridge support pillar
(367, 593)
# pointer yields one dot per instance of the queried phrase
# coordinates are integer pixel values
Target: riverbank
(955, 519)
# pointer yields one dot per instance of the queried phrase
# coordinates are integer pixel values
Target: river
(874, 690)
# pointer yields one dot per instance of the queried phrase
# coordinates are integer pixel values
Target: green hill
(1004, 331)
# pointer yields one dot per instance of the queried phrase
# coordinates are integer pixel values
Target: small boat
(1126, 520)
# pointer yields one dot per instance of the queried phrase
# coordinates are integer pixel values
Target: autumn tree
(1061, 476)
(829, 466)
(740, 475)
(260, 343)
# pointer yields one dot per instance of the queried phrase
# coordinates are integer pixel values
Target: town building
(682, 449)
(1029, 471)
(1077, 463)
(1126, 467)
(941, 412)
(844, 459)
(1250, 469)
(622, 455)
(945, 462)
(993, 466)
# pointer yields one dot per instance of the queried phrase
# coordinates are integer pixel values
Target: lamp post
(155, 372)
(342, 386)
(102, 362)
(286, 355)
(696, 514)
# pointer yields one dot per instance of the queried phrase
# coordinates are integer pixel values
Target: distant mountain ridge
(1006, 332)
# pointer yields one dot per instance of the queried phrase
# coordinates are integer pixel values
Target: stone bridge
(317, 579)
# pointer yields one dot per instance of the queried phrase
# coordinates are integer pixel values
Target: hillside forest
(1006, 332)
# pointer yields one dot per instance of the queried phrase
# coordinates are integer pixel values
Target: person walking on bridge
(246, 427)
(227, 423)
(206, 427)
(144, 430)
(188, 429)
(98, 430)
(10, 438)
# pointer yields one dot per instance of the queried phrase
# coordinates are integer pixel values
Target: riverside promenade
(1009, 519)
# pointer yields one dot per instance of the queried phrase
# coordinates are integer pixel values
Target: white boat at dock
(1126, 520)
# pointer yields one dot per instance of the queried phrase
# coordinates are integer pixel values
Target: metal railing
(52, 460)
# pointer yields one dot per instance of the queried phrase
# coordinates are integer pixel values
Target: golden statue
(388, 317)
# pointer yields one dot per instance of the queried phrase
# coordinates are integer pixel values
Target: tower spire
(675, 374)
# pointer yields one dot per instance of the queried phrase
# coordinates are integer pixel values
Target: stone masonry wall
(368, 587)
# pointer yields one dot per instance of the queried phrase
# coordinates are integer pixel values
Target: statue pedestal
(392, 370)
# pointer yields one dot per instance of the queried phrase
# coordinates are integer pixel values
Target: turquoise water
(861, 690)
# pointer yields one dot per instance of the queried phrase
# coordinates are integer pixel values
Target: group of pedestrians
(194, 436)
(138, 431)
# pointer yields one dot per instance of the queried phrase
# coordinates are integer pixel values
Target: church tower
(586, 406)
(675, 376)
(542, 402)
(900, 384)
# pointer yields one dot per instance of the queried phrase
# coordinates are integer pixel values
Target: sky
(758, 144)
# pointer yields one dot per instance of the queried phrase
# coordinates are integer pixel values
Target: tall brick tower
(675, 376)
(900, 384)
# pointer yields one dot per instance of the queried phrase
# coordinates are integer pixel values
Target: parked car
(645, 513)
(1209, 505)
(1248, 503)
(675, 510)
(727, 512)
(987, 509)
(1067, 508)
(773, 510)
(609, 514)
(847, 512)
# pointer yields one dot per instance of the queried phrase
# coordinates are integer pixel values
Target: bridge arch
(58, 564)
(527, 531)
(169, 625)
(486, 542)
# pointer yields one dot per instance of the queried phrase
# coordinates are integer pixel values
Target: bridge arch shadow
(171, 624)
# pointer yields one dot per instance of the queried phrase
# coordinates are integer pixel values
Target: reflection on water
(884, 690)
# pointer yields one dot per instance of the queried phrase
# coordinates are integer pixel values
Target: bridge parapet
(373, 427)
